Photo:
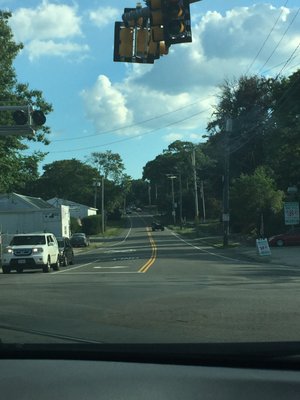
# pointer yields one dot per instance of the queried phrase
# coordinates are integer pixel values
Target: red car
(290, 238)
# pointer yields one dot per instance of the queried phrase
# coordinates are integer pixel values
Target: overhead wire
(130, 137)
(288, 61)
(134, 124)
(279, 65)
(281, 39)
(267, 38)
(283, 97)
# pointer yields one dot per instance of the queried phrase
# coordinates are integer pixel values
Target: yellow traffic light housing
(146, 33)
(123, 46)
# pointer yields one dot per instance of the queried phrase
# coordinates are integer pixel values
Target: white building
(77, 210)
(25, 214)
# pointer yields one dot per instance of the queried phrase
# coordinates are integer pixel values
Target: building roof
(33, 202)
(55, 201)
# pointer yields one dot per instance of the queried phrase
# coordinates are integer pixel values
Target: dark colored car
(157, 226)
(79, 240)
(290, 238)
(66, 254)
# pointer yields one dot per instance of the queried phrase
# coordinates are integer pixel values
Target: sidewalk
(289, 255)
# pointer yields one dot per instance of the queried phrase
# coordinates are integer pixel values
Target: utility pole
(226, 216)
(96, 184)
(173, 199)
(102, 206)
(172, 177)
(149, 193)
(203, 201)
(180, 199)
(195, 185)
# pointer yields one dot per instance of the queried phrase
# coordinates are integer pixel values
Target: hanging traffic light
(28, 117)
(170, 21)
(177, 24)
(146, 33)
(133, 40)
(123, 46)
(25, 119)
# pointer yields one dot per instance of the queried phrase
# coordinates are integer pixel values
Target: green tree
(177, 160)
(252, 196)
(284, 147)
(68, 179)
(247, 102)
(108, 164)
(16, 168)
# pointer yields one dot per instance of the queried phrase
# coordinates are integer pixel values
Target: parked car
(66, 254)
(79, 240)
(157, 226)
(290, 238)
(31, 251)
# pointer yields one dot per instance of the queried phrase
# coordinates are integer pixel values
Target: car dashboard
(115, 374)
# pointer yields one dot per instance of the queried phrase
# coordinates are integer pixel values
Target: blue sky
(138, 110)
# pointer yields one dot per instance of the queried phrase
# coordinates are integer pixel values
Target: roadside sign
(263, 248)
(291, 213)
(225, 217)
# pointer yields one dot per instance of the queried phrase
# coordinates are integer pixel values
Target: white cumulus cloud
(106, 105)
(104, 16)
(48, 29)
(39, 48)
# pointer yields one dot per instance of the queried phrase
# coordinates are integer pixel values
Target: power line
(267, 38)
(279, 65)
(288, 61)
(136, 123)
(131, 137)
(281, 39)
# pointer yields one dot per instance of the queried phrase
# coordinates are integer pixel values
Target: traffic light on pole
(25, 119)
(33, 118)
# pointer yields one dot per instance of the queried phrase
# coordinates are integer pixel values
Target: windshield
(161, 141)
(27, 240)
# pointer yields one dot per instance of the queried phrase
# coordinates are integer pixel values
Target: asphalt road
(147, 287)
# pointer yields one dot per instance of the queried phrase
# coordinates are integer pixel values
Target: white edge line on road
(102, 272)
(125, 238)
(206, 251)
(73, 268)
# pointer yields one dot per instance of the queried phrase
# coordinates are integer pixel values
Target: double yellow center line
(152, 259)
